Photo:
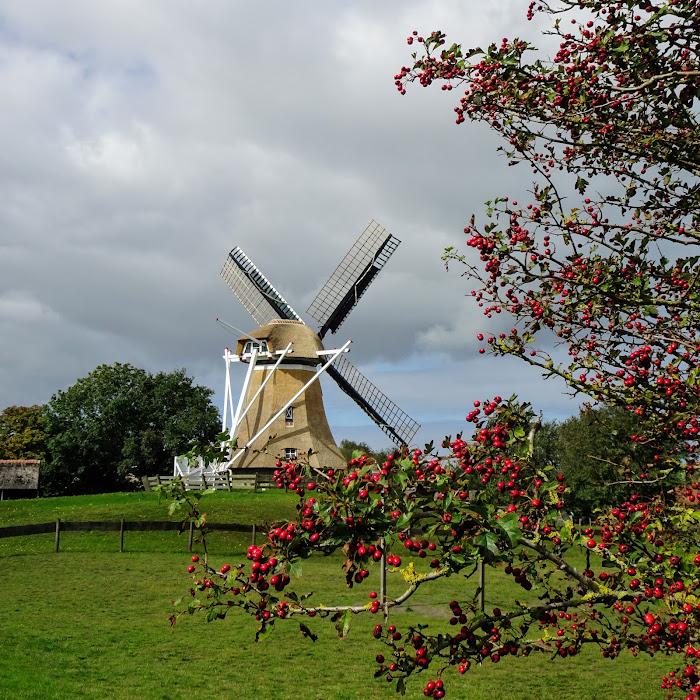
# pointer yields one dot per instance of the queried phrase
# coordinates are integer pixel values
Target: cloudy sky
(139, 142)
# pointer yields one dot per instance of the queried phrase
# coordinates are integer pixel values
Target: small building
(19, 478)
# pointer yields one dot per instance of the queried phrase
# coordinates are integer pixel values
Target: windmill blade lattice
(392, 420)
(262, 301)
(340, 294)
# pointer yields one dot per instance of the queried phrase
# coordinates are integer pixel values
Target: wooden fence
(226, 481)
(121, 526)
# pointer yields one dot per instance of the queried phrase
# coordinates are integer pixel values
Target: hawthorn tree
(600, 260)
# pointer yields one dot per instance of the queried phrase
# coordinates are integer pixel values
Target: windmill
(280, 410)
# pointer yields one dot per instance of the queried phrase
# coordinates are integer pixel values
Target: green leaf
(511, 527)
(215, 614)
(404, 520)
(343, 624)
(403, 479)
(263, 632)
(488, 541)
(565, 530)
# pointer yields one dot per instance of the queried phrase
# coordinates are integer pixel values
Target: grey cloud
(140, 141)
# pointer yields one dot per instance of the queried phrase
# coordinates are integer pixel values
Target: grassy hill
(90, 622)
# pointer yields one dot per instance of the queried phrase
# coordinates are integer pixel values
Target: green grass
(222, 506)
(90, 622)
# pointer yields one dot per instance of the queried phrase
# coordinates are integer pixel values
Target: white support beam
(323, 353)
(177, 469)
(244, 390)
(231, 409)
(227, 390)
(282, 355)
(334, 356)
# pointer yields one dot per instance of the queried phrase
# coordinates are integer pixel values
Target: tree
(22, 433)
(602, 261)
(593, 451)
(121, 421)
(350, 449)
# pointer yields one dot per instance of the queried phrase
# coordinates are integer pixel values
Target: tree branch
(355, 609)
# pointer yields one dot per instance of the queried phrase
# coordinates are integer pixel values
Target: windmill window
(289, 417)
(290, 452)
(250, 346)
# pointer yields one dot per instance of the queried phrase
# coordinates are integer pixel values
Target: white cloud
(21, 307)
(124, 155)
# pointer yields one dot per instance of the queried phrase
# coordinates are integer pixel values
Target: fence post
(121, 535)
(57, 538)
(482, 585)
(382, 580)
(588, 551)
(189, 540)
(253, 537)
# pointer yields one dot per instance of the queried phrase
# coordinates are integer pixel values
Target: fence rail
(121, 526)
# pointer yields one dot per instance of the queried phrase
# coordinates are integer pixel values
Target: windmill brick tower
(280, 411)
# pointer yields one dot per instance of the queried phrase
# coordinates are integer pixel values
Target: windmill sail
(395, 422)
(340, 294)
(262, 301)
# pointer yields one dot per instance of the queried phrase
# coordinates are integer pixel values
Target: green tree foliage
(350, 448)
(593, 451)
(22, 433)
(121, 422)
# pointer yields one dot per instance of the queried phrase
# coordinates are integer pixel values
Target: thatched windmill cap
(279, 333)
